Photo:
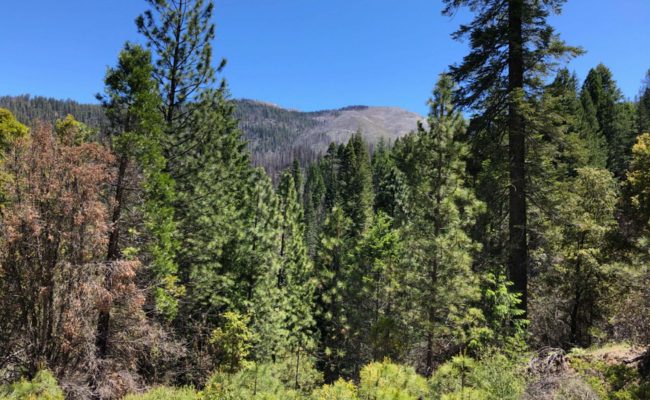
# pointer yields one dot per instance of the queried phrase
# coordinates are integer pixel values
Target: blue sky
(302, 54)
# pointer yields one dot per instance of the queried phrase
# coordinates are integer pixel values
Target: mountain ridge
(276, 135)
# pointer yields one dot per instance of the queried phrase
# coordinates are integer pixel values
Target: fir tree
(389, 183)
(616, 120)
(355, 182)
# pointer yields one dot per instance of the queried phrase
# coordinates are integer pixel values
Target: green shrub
(494, 377)
(610, 381)
(339, 390)
(42, 387)
(165, 393)
(388, 381)
(255, 381)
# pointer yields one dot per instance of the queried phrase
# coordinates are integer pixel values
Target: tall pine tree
(511, 45)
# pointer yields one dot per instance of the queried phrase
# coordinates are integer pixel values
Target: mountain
(276, 135)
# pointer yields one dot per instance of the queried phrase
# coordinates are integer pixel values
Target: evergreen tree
(594, 139)
(331, 261)
(355, 183)
(180, 32)
(314, 204)
(512, 45)
(10, 131)
(577, 134)
(643, 106)
(131, 103)
(638, 183)
(442, 210)
(226, 211)
(616, 120)
(378, 319)
(296, 275)
(389, 183)
(588, 215)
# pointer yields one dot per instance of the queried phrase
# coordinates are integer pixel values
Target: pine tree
(512, 44)
(296, 275)
(638, 183)
(442, 210)
(180, 32)
(226, 211)
(131, 103)
(332, 257)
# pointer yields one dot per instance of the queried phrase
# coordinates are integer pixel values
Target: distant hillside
(276, 135)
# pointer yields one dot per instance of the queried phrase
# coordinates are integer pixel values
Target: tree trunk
(103, 324)
(518, 250)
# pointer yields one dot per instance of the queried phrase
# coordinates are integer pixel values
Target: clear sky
(302, 54)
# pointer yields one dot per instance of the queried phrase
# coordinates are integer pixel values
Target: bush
(42, 387)
(339, 390)
(263, 381)
(165, 393)
(388, 381)
(494, 377)
(609, 380)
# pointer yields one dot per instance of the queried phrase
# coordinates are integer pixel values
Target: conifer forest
(151, 249)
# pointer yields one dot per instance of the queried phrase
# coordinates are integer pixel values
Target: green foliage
(131, 102)
(331, 318)
(296, 275)
(355, 184)
(339, 390)
(388, 181)
(381, 300)
(616, 119)
(72, 132)
(643, 106)
(442, 209)
(42, 387)
(263, 381)
(493, 377)
(232, 341)
(588, 215)
(638, 180)
(388, 381)
(165, 393)
(611, 381)
(503, 326)
(10, 130)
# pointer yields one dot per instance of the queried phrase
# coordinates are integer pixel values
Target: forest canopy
(498, 251)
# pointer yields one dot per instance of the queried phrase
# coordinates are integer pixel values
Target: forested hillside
(499, 249)
(276, 136)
